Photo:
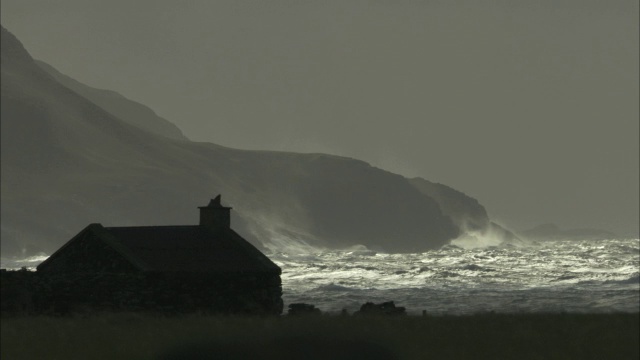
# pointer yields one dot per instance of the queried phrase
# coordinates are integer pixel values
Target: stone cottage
(205, 268)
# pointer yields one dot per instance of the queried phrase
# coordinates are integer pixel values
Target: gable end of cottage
(88, 252)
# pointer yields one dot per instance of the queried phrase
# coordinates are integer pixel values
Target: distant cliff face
(130, 111)
(67, 161)
(464, 210)
(12, 50)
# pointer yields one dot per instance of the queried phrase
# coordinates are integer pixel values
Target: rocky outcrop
(302, 309)
(386, 308)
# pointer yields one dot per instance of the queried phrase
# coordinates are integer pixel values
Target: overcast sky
(529, 106)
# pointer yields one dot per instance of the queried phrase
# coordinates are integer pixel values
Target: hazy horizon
(532, 108)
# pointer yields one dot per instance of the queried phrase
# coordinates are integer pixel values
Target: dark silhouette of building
(206, 267)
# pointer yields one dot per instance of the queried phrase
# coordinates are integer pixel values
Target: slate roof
(191, 249)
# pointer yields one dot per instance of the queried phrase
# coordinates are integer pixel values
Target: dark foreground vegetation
(483, 336)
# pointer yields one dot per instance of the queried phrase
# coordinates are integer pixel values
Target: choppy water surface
(571, 276)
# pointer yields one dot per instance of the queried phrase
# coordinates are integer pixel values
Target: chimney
(215, 216)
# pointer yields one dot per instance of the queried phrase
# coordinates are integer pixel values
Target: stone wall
(25, 292)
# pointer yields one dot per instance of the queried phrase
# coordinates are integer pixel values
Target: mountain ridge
(132, 112)
(67, 162)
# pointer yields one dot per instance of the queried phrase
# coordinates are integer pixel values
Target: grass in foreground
(497, 336)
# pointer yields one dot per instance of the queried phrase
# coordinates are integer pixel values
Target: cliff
(67, 162)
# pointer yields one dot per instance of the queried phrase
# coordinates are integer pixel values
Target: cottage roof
(190, 248)
(211, 246)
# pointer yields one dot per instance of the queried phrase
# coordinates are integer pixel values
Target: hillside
(70, 158)
(130, 111)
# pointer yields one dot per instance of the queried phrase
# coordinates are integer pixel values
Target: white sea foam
(572, 276)
(29, 262)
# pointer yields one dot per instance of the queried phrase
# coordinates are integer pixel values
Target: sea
(590, 276)
(572, 276)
